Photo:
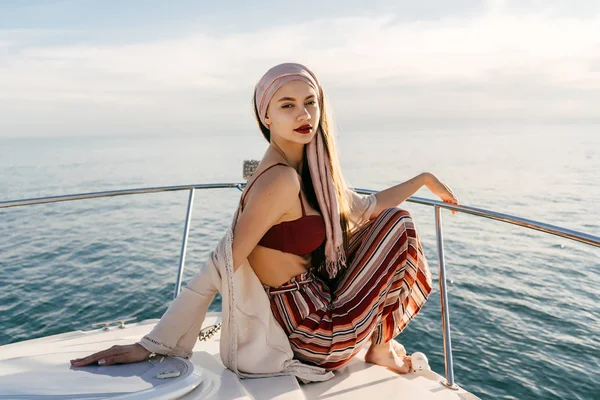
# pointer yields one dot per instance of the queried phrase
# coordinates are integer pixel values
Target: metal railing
(437, 206)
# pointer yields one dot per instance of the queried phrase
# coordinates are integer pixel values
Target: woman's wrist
(149, 354)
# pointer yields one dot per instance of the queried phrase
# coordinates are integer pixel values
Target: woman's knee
(402, 219)
(395, 212)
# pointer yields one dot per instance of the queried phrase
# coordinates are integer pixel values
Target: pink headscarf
(318, 159)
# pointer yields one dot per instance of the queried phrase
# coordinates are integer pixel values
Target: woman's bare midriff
(274, 267)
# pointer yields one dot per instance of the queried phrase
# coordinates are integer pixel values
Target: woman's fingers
(95, 357)
(452, 201)
(445, 193)
(88, 360)
(114, 355)
(451, 198)
(118, 359)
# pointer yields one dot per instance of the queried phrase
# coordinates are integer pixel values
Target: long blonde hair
(318, 256)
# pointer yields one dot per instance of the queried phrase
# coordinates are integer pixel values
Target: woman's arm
(178, 328)
(393, 196)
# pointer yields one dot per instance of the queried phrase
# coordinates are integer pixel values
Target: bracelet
(153, 357)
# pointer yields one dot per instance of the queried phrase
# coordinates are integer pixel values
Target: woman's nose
(304, 115)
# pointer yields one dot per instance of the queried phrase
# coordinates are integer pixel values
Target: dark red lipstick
(304, 129)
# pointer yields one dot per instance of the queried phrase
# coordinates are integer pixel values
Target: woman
(335, 281)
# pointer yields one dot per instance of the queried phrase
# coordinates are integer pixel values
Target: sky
(105, 67)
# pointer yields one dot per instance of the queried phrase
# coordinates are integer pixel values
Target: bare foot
(385, 355)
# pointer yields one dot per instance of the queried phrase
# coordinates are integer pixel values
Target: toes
(399, 349)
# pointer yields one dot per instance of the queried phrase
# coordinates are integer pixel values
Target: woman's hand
(115, 355)
(440, 189)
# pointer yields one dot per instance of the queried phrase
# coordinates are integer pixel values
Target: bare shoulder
(280, 182)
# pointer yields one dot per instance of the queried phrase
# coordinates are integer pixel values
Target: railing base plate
(453, 387)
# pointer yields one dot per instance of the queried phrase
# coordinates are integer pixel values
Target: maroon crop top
(300, 236)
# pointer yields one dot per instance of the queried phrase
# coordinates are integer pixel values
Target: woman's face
(294, 106)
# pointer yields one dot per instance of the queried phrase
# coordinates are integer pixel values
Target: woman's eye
(312, 102)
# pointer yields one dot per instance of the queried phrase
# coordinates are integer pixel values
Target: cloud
(491, 65)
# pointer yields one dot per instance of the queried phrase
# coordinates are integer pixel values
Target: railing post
(186, 232)
(444, 302)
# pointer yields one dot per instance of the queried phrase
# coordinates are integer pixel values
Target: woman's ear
(267, 120)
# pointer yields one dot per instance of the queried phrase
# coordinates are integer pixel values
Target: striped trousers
(386, 283)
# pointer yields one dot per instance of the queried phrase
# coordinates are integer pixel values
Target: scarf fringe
(335, 266)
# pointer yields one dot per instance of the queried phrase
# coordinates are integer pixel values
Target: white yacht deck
(40, 369)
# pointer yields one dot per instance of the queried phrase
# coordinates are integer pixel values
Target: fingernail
(102, 362)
